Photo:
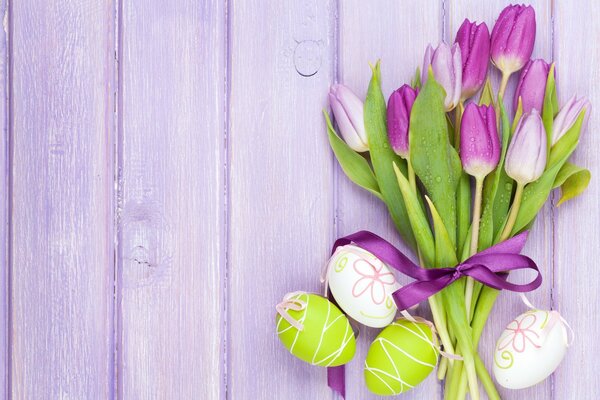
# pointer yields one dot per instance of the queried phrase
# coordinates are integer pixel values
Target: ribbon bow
(490, 267)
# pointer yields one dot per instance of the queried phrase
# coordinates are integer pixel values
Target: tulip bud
(513, 37)
(447, 70)
(568, 115)
(479, 141)
(474, 42)
(532, 85)
(398, 117)
(526, 156)
(348, 110)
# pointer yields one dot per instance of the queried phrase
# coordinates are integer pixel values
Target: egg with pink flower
(362, 285)
(529, 350)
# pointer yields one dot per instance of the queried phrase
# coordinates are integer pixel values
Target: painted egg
(313, 329)
(400, 358)
(362, 286)
(530, 349)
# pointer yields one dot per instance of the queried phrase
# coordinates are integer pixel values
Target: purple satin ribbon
(490, 267)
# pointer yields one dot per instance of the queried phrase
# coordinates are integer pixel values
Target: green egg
(400, 358)
(326, 338)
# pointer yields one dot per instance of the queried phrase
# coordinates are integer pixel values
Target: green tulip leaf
(353, 164)
(548, 110)
(572, 180)
(418, 219)
(445, 256)
(487, 94)
(433, 158)
(497, 190)
(536, 193)
(383, 157)
(466, 248)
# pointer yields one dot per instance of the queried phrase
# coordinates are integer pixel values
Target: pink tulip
(474, 42)
(513, 37)
(398, 118)
(479, 140)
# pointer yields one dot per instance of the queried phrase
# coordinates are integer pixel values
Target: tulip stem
(514, 211)
(457, 121)
(503, 83)
(474, 240)
(442, 368)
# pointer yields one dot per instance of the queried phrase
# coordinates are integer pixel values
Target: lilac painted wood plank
(172, 205)
(281, 187)
(4, 196)
(398, 33)
(539, 245)
(578, 221)
(62, 208)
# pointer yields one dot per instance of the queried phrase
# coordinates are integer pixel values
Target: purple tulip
(474, 42)
(513, 37)
(447, 70)
(348, 110)
(532, 85)
(526, 156)
(568, 115)
(398, 117)
(479, 140)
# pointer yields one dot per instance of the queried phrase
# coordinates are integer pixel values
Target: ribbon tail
(336, 380)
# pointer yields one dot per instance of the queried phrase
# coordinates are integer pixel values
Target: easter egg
(400, 358)
(319, 333)
(530, 349)
(362, 286)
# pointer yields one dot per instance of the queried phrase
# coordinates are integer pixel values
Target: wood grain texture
(539, 245)
(281, 196)
(171, 211)
(4, 199)
(397, 32)
(62, 208)
(578, 221)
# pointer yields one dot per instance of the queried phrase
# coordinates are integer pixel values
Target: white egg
(362, 286)
(530, 349)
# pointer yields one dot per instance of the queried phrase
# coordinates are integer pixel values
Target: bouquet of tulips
(457, 171)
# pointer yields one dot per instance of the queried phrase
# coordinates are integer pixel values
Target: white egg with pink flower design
(362, 285)
(530, 349)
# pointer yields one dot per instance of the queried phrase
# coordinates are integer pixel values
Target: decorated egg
(400, 358)
(530, 349)
(362, 286)
(313, 329)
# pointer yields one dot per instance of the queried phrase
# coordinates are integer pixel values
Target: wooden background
(166, 179)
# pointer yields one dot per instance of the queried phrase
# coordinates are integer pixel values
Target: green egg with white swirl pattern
(322, 334)
(400, 358)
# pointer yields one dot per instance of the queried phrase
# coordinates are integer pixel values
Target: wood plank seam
(8, 266)
(226, 316)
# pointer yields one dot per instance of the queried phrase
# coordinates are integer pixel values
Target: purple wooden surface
(62, 271)
(225, 189)
(171, 203)
(4, 196)
(280, 186)
(577, 232)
